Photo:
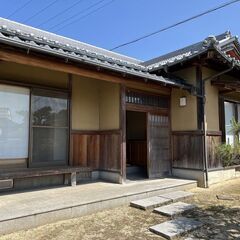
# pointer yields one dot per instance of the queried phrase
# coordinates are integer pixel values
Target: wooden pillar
(123, 131)
(70, 119)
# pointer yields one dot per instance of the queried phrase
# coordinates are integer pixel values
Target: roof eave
(97, 63)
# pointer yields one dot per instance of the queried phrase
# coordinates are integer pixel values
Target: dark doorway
(136, 137)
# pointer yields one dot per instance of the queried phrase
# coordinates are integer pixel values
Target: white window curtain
(14, 122)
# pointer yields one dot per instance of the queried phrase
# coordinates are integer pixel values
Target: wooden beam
(56, 65)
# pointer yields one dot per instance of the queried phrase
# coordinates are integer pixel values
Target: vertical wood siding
(137, 152)
(213, 140)
(188, 149)
(97, 150)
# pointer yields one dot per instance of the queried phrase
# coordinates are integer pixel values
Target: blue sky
(125, 20)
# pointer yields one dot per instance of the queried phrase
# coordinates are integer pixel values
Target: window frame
(18, 161)
(48, 93)
(150, 107)
(236, 115)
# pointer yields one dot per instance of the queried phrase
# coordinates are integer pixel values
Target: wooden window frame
(31, 87)
(32, 164)
(222, 115)
(147, 108)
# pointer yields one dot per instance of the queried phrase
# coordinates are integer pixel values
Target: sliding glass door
(49, 128)
(14, 122)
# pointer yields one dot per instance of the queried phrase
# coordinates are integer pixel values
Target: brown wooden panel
(79, 151)
(137, 153)
(187, 150)
(97, 151)
(159, 144)
(110, 152)
(93, 151)
(212, 143)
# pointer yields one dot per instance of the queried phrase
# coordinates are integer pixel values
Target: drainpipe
(205, 120)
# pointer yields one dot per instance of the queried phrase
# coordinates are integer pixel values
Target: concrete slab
(175, 228)
(177, 195)
(174, 209)
(150, 203)
(67, 202)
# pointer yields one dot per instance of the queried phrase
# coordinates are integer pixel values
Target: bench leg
(73, 179)
(66, 179)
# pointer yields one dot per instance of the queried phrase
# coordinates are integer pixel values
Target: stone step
(150, 203)
(163, 199)
(175, 228)
(174, 209)
(177, 195)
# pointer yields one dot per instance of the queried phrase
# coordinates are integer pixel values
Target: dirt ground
(221, 220)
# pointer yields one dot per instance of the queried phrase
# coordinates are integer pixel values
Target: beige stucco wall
(95, 104)
(34, 75)
(85, 104)
(109, 106)
(184, 118)
(212, 102)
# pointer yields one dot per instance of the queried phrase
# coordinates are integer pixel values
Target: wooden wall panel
(137, 153)
(188, 149)
(110, 152)
(97, 150)
(212, 143)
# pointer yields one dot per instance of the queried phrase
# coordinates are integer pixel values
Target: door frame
(146, 109)
(146, 128)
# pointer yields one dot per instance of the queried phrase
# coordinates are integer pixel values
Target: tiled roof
(217, 43)
(19, 35)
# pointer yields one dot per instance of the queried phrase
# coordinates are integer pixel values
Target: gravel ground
(221, 220)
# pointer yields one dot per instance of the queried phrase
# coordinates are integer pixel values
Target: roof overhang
(31, 43)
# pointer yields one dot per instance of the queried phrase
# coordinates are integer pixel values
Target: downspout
(205, 119)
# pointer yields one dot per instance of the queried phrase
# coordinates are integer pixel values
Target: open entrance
(136, 137)
(147, 135)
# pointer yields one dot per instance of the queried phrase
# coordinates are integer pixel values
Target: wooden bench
(70, 173)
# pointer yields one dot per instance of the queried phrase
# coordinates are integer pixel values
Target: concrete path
(25, 210)
(175, 209)
(175, 228)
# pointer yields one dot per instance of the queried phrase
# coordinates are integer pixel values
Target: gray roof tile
(218, 43)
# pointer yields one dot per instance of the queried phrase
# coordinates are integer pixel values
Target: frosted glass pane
(14, 122)
(229, 115)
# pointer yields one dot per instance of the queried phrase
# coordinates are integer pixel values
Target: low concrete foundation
(190, 174)
(216, 176)
(108, 176)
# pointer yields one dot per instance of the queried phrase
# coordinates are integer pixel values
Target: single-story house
(69, 110)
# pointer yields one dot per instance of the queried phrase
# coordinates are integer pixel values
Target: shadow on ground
(220, 223)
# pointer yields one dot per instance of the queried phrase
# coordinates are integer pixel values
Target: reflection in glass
(49, 127)
(14, 122)
(48, 111)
